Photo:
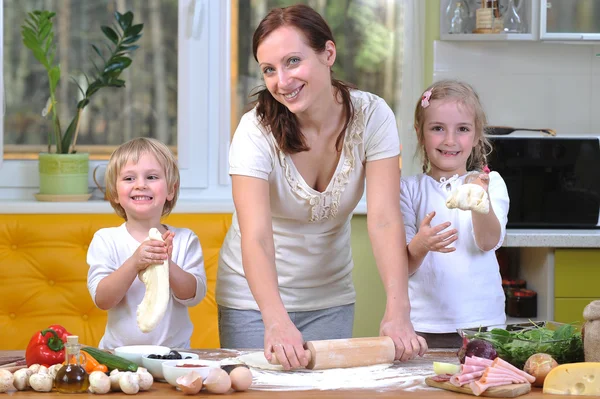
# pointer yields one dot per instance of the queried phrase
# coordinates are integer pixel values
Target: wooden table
(164, 390)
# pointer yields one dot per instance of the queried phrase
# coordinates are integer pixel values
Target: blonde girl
(455, 279)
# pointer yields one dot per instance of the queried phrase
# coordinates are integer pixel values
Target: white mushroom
(34, 368)
(145, 380)
(41, 382)
(53, 370)
(99, 382)
(190, 383)
(6, 381)
(42, 370)
(129, 383)
(115, 375)
(21, 381)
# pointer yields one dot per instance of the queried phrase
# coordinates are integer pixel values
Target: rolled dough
(257, 360)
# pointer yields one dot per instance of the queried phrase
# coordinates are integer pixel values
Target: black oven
(553, 181)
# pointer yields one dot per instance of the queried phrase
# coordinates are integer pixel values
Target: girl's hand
(150, 252)
(408, 343)
(432, 238)
(284, 341)
(482, 180)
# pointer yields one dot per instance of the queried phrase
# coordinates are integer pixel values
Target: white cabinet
(528, 11)
(577, 20)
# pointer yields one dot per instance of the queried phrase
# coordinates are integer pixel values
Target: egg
(241, 378)
(217, 381)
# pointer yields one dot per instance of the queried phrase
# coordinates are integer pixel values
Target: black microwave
(553, 182)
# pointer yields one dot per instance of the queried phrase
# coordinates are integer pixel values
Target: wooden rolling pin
(344, 353)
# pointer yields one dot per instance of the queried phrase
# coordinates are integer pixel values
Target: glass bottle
(458, 18)
(512, 20)
(72, 377)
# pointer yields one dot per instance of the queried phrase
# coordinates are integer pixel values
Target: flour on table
(399, 376)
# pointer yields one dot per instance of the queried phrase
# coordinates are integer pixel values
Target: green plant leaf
(68, 137)
(133, 30)
(97, 50)
(117, 65)
(54, 75)
(110, 34)
(124, 20)
(131, 39)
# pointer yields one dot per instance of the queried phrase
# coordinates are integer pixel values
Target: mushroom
(190, 383)
(53, 370)
(145, 379)
(21, 381)
(41, 382)
(129, 383)
(115, 375)
(6, 381)
(99, 382)
(34, 368)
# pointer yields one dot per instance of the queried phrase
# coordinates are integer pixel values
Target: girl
(298, 162)
(142, 184)
(455, 279)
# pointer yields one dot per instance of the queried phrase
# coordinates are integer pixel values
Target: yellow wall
(432, 32)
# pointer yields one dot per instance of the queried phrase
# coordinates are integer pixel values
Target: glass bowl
(515, 343)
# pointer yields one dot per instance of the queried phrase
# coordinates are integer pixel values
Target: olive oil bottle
(72, 377)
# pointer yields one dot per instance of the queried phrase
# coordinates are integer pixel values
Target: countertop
(411, 386)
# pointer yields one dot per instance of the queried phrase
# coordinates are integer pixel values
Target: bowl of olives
(153, 361)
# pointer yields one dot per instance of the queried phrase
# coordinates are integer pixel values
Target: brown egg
(241, 378)
(217, 381)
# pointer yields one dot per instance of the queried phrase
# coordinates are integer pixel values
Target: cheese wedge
(581, 379)
(158, 292)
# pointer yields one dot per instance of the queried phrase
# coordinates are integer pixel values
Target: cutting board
(503, 391)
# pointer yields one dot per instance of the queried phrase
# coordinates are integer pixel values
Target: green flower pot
(64, 174)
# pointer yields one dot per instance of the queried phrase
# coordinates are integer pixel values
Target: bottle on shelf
(72, 377)
(457, 14)
(512, 20)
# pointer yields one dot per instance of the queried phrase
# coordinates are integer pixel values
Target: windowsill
(96, 206)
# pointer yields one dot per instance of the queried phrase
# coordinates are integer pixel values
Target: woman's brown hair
(283, 123)
(465, 95)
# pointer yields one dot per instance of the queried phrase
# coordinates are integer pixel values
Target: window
(174, 89)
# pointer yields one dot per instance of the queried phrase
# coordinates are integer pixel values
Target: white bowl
(154, 366)
(134, 353)
(171, 372)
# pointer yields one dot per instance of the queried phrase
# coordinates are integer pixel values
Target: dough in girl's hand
(469, 197)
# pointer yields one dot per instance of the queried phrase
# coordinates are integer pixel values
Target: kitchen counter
(552, 238)
(413, 387)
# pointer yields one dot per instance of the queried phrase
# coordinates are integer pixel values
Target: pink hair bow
(425, 99)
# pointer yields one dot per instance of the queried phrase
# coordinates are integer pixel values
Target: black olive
(229, 367)
(175, 354)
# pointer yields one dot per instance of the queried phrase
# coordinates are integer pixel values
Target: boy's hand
(432, 238)
(168, 239)
(150, 252)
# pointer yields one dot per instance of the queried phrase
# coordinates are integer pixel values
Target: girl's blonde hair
(464, 95)
(132, 151)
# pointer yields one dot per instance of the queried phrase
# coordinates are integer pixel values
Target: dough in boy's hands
(158, 292)
(469, 197)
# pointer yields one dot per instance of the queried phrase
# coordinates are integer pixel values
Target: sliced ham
(496, 371)
(442, 377)
(478, 387)
(504, 364)
(461, 379)
(470, 369)
(477, 361)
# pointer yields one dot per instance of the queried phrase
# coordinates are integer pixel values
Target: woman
(298, 163)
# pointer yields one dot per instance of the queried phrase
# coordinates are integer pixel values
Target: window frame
(203, 105)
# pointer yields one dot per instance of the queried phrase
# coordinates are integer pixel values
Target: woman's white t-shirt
(311, 229)
(459, 289)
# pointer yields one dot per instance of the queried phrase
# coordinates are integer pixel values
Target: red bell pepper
(47, 346)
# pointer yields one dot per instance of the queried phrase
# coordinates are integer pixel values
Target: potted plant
(63, 171)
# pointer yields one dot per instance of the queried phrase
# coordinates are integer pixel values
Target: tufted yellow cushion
(43, 278)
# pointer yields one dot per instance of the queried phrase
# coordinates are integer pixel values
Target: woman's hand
(283, 340)
(434, 238)
(150, 252)
(408, 343)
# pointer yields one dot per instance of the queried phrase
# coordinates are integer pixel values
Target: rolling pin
(344, 353)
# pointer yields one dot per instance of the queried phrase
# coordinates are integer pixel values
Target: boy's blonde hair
(133, 151)
(464, 95)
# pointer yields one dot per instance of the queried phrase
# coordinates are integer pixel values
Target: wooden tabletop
(416, 388)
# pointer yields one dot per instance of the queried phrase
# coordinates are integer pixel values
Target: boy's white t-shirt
(311, 230)
(459, 289)
(109, 249)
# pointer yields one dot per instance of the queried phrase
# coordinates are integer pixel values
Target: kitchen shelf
(488, 37)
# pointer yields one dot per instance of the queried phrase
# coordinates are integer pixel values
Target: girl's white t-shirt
(460, 289)
(311, 229)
